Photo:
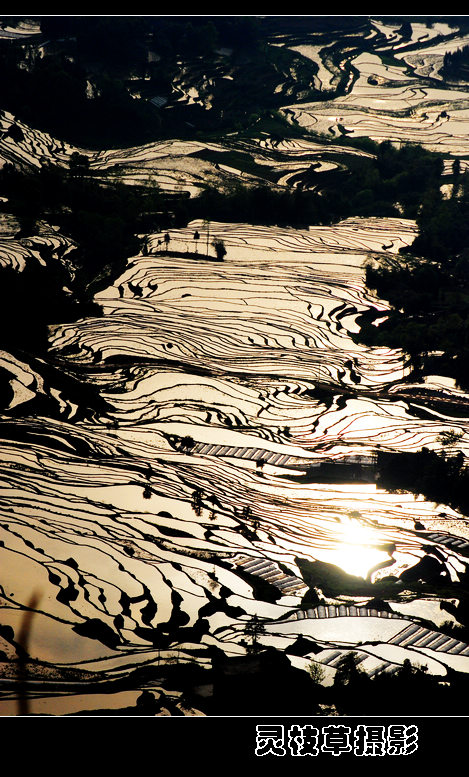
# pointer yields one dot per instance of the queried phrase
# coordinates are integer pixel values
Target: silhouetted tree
(187, 443)
(220, 249)
(15, 132)
(348, 670)
(197, 504)
(253, 629)
(79, 164)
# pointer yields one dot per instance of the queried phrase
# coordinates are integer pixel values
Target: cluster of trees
(395, 180)
(75, 200)
(410, 689)
(393, 183)
(199, 36)
(429, 288)
(428, 309)
(258, 205)
(299, 26)
(108, 39)
(102, 220)
(57, 94)
(440, 477)
(456, 64)
(33, 299)
(443, 223)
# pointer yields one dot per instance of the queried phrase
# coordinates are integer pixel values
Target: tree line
(428, 288)
(441, 477)
(456, 64)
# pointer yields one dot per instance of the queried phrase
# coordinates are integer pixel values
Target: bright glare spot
(355, 554)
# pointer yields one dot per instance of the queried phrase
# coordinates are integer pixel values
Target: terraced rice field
(399, 103)
(133, 541)
(145, 526)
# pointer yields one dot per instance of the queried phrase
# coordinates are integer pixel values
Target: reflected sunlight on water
(356, 554)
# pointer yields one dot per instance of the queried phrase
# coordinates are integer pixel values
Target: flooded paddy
(152, 525)
(401, 104)
(122, 527)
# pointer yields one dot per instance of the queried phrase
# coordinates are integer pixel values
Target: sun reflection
(357, 550)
